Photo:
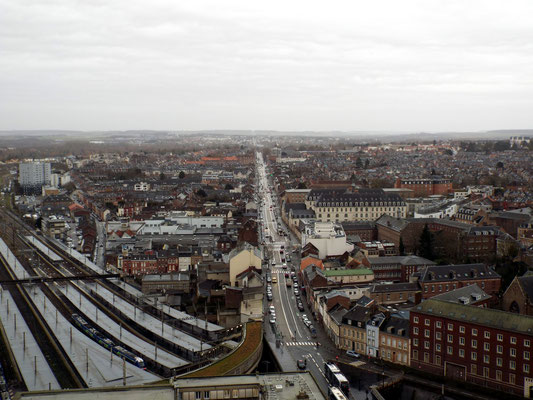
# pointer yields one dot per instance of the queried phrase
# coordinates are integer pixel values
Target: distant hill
(382, 136)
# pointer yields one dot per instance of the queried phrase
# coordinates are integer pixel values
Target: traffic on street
(293, 334)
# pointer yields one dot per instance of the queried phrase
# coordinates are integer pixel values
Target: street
(295, 339)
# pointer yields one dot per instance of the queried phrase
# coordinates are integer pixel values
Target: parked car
(300, 306)
(353, 354)
(301, 364)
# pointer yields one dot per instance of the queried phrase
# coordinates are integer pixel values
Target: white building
(34, 175)
(141, 187)
(328, 237)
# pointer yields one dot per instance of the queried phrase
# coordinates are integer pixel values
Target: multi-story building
(377, 249)
(372, 334)
(396, 268)
(353, 329)
(394, 343)
(439, 279)
(479, 345)
(362, 205)
(34, 175)
(327, 237)
(395, 293)
(295, 195)
(426, 187)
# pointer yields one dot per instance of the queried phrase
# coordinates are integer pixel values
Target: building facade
(34, 175)
(479, 345)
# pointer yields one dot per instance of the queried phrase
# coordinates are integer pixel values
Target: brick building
(295, 195)
(518, 297)
(435, 280)
(395, 293)
(396, 268)
(426, 187)
(479, 345)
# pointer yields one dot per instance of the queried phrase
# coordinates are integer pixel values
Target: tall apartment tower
(34, 175)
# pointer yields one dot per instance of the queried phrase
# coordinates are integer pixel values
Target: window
(526, 368)
(450, 338)
(415, 342)
(461, 353)
(426, 322)
(487, 334)
(512, 352)
(474, 343)
(473, 368)
(513, 340)
(437, 360)
(450, 327)
(474, 332)
(415, 330)
(439, 324)
(473, 355)
(512, 379)
(498, 375)
(438, 335)
(499, 361)
(415, 354)
(462, 341)
(499, 337)
(415, 320)
(426, 344)
(449, 349)
(512, 364)
(486, 359)
(198, 396)
(206, 394)
(527, 343)
(486, 346)
(499, 349)
(462, 329)
(437, 347)
(526, 355)
(426, 332)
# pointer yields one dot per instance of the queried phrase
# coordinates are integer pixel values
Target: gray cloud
(388, 65)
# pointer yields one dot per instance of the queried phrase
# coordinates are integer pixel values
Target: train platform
(96, 365)
(102, 322)
(151, 323)
(52, 255)
(34, 368)
(170, 311)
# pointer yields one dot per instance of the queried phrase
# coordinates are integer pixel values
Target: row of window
(462, 329)
(473, 368)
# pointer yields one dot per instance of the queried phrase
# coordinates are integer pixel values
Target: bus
(335, 377)
(334, 393)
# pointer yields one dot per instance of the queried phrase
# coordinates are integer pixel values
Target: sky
(381, 65)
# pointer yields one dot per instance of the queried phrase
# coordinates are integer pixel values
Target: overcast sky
(393, 65)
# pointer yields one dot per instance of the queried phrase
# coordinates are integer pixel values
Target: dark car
(301, 364)
(300, 306)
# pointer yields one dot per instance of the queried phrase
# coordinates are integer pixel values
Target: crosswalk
(300, 343)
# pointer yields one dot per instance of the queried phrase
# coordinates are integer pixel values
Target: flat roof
(274, 384)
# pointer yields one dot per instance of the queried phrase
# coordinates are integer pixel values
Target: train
(104, 341)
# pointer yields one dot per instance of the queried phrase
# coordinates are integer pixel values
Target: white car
(272, 309)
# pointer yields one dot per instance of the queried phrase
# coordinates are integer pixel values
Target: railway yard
(67, 323)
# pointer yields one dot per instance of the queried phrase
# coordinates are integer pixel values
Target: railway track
(58, 361)
(73, 268)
